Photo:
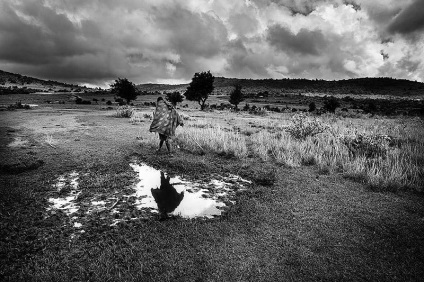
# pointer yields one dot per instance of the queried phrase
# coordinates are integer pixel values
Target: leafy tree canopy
(201, 86)
(124, 89)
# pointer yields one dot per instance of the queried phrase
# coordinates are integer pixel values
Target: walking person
(165, 121)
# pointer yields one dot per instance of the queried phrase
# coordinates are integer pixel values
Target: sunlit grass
(213, 138)
(401, 165)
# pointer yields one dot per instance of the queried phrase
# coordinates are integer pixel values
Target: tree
(200, 87)
(312, 106)
(124, 89)
(174, 97)
(331, 104)
(236, 96)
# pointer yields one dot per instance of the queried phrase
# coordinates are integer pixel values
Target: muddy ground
(288, 225)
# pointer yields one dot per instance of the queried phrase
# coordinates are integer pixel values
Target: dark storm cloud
(198, 34)
(308, 42)
(303, 7)
(409, 20)
(38, 35)
(385, 55)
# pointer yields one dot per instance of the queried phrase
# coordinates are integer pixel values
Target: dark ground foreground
(289, 225)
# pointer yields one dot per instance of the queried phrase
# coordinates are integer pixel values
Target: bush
(18, 105)
(174, 97)
(124, 112)
(312, 106)
(331, 104)
(302, 126)
(258, 111)
(109, 103)
(369, 146)
(80, 101)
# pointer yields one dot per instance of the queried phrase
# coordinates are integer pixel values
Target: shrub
(258, 111)
(137, 117)
(18, 105)
(109, 103)
(174, 97)
(369, 146)
(80, 101)
(124, 112)
(302, 126)
(331, 104)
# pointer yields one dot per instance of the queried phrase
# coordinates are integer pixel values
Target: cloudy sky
(167, 41)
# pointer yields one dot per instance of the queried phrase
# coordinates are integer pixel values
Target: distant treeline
(16, 90)
(368, 85)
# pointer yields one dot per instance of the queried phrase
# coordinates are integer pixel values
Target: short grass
(309, 215)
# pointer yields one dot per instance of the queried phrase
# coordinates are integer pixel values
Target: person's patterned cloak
(165, 119)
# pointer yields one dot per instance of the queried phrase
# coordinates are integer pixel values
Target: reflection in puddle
(155, 193)
(176, 196)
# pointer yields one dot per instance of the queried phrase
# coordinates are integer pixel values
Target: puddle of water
(66, 203)
(161, 193)
(155, 192)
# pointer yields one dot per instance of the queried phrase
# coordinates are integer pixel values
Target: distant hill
(151, 87)
(11, 83)
(276, 87)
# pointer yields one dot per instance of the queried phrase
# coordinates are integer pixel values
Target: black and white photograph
(211, 140)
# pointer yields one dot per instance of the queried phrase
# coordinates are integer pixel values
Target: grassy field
(333, 197)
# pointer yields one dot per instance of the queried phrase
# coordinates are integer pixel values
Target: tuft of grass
(303, 126)
(124, 112)
(50, 141)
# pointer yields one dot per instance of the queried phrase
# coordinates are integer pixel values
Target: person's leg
(168, 146)
(162, 138)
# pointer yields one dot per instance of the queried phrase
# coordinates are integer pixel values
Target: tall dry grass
(213, 138)
(400, 165)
